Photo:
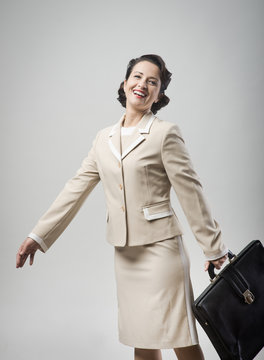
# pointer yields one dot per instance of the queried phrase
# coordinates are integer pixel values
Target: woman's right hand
(27, 248)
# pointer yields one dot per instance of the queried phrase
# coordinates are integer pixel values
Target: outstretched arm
(62, 210)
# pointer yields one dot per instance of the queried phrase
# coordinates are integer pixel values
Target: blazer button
(119, 164)
(121, 187)
(123, 208)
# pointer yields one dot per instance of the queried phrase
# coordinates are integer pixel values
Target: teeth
(139, 93)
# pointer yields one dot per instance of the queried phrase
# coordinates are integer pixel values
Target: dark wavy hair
(165, 77)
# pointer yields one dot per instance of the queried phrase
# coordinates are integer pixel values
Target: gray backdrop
(61, 64)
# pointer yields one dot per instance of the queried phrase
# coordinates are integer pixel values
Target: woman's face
(143, 86)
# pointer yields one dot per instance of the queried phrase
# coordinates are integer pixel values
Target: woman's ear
(124, 85)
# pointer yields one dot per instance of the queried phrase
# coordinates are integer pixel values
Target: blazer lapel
(114, 140)
(143, 127)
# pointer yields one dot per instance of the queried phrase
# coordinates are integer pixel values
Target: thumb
(206, 265)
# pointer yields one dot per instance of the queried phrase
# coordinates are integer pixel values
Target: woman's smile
(139, 93)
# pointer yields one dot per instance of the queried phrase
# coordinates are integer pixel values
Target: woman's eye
(152, 82)
(137, 76)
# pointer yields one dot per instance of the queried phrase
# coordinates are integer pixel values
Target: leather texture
(234, 326)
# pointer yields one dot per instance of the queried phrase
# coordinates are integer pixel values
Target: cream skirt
(154, 294)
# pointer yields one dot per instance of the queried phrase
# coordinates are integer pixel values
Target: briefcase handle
(211, 268)
(234, 278)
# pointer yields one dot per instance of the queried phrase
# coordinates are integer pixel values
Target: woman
(138, 160)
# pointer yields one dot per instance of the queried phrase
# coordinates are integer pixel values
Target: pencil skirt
(154, 295)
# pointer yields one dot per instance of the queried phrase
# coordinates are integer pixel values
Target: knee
(189, 353)
(147, 354)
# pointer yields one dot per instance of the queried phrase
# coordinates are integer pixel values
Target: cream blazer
(137, 181)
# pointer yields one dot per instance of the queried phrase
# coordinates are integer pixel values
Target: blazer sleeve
(188, 188)
(68, 202)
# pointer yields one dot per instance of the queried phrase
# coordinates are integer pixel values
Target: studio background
(61, 64)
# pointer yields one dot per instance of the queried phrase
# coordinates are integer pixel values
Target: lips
(139, 93)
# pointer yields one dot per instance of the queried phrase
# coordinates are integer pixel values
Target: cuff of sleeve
(218, 255)
(39, 241)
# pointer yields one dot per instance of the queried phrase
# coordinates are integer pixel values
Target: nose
(142, 83)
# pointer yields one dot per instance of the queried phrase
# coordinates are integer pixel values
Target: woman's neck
(132, 118)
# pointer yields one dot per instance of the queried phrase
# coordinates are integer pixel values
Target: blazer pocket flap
(157, 211)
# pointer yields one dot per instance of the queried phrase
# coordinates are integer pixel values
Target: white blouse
(125, 131)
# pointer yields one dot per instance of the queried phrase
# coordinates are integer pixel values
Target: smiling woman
(137, 167)
(154, 72)
(142, 89)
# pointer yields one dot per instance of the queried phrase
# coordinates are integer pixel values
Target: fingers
(18, 261)
(21, 259)
(28, 248)
(217, 263)
(206, 265)
(31, 260)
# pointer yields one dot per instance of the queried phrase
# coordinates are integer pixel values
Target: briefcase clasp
(248, 296)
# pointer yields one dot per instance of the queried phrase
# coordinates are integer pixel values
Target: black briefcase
(231, 309)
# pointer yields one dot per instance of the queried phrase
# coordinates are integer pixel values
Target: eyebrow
(151, 77)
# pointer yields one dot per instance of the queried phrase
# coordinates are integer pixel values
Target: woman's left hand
(217, 263)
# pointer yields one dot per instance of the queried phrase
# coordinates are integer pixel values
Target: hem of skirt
(163, 345)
